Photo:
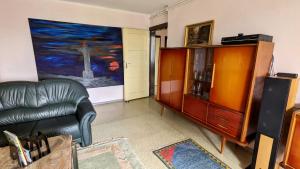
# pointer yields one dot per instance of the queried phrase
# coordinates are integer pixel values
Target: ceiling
(141, 6)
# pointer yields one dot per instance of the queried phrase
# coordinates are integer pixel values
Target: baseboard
(106, 102)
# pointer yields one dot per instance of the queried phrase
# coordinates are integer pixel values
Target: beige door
(136, 63)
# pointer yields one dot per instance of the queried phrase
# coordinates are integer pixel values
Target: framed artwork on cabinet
(199, 34)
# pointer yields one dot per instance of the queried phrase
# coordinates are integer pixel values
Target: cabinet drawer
(195, 107)
(225, 120)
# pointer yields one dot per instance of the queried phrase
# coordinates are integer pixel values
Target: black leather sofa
(53, 107)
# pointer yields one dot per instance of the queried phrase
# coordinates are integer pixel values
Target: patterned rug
(188, 154)
(111, 154)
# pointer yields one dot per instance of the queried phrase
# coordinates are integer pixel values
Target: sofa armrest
(85, 114)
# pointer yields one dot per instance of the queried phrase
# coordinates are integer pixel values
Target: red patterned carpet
(188, 154)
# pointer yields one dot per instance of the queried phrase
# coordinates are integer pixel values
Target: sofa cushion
(58, 126)
(60, 91)
(50, 127)
(24, 114)
(22, 130)
(37, 94)
(14, 94)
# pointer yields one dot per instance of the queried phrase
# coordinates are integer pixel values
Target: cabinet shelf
(202, 81)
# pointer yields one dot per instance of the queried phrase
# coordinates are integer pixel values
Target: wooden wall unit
(222, 86)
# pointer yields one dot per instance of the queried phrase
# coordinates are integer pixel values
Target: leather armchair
(86, 114)
(53, 107)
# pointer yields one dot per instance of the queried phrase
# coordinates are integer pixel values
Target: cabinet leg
(236, 146)
(162, 109)
(223, 143)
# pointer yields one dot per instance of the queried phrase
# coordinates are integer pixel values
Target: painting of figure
(92, 55)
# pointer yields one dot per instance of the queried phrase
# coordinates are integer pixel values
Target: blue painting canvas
(92, 55)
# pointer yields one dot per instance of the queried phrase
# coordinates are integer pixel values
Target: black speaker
(271, 118)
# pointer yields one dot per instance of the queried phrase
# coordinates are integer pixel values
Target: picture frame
(199, 34)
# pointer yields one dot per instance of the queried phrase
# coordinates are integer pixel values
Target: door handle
(126, 65)
(213, 76)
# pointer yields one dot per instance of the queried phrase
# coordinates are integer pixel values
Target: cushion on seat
(24, 114)
(37, 94)
(58, 126)
(22, 130)
(50, 127)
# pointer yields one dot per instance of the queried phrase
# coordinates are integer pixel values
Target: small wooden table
(61, 156)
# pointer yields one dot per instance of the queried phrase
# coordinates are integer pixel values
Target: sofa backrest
(27, 101)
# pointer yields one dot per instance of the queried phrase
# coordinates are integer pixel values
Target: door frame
(152, 63)
(152, 30)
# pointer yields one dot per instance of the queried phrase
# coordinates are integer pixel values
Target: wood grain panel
(262, 64)
(177, 77)
(60, 156)
(293, 94)
(264, 152)
(225, 120)
(195, 107)
(165, 76)
(232, 76)
(294, 155)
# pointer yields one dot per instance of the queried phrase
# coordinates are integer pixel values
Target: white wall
(279, 18)
(17, 58)
(158, 18)
(162, 33)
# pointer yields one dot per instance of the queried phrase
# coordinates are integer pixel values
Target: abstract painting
(89, 54)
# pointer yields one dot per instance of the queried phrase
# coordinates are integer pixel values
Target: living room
(118, 116)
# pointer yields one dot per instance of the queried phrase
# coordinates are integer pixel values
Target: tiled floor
(140, 121)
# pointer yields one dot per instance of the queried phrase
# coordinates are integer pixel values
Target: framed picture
(199, 34)
(89, 54)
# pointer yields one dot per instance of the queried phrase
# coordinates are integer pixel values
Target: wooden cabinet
(292, 156)
(171, 76)
(222, 86)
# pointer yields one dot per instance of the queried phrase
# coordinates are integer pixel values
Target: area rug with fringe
(110, 154)
(188, 154)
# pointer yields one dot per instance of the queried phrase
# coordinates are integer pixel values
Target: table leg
(74, 156)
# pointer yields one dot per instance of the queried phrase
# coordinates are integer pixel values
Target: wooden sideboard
(217, 86)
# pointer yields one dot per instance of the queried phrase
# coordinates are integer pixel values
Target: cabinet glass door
(200, 72)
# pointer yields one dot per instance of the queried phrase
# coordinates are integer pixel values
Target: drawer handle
(223, 120)
(219, 125)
